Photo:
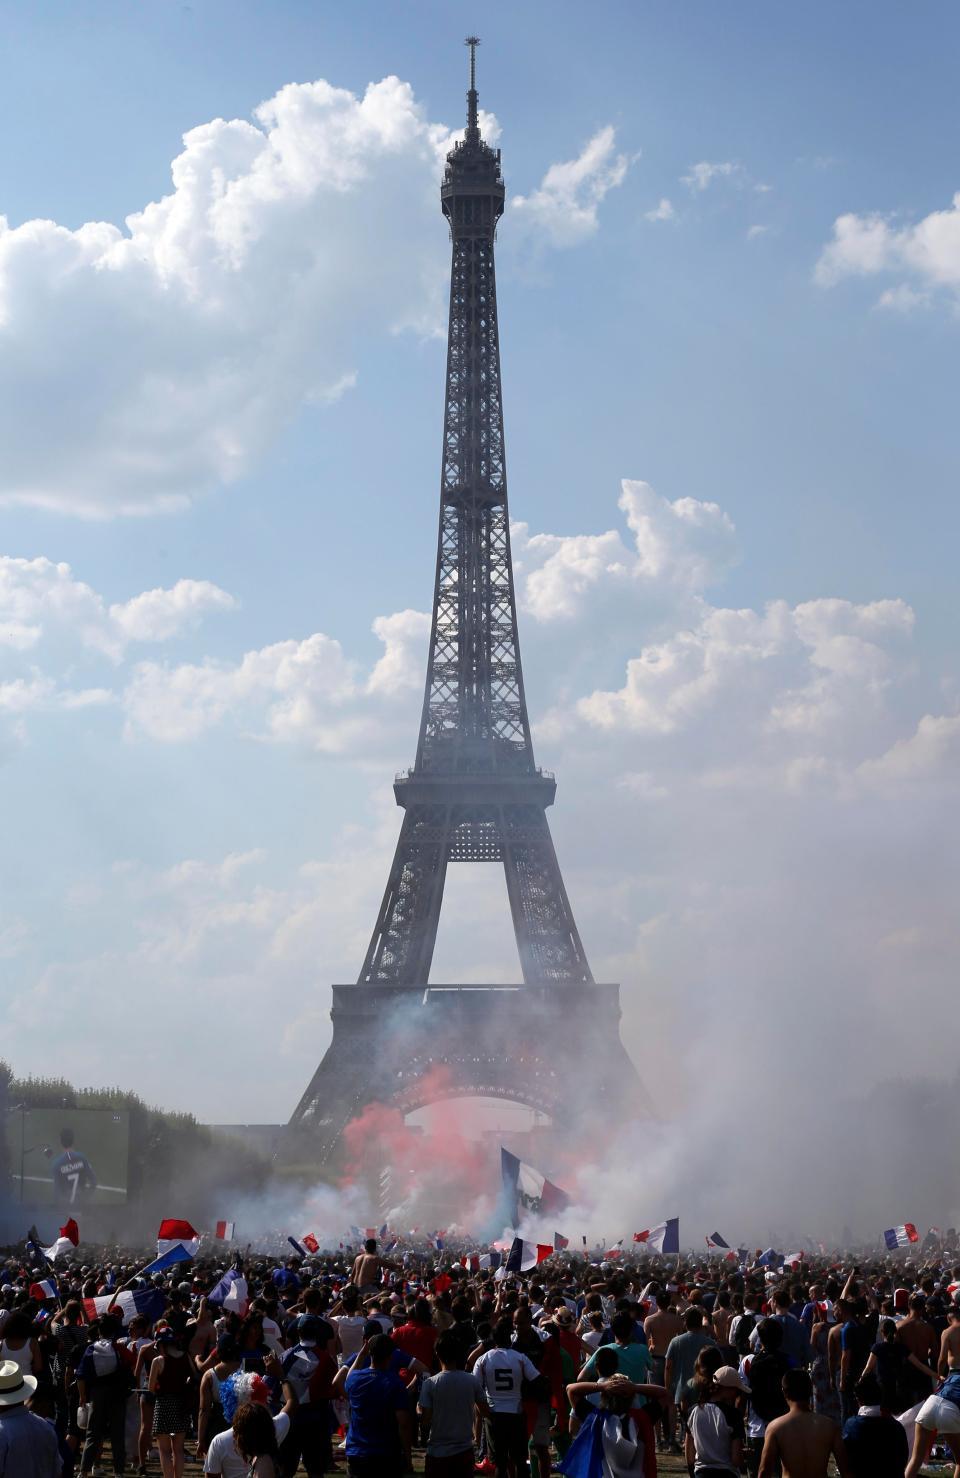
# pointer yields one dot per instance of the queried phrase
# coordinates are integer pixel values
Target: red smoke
(438, 1175)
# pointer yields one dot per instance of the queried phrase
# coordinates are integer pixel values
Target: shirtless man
(920, 1339)
(367, 1266)
(660, 1329)
(802, 1441)
(950, 1344)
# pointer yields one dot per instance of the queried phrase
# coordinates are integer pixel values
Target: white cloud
(685, 544)
(754, 231)
(903, 299)
(931, 752)
(701, 176)
(307, 693)
(563, 209)
(41, 599)
(805, 671)
(663, 211)
(868, 245)
(142, 366)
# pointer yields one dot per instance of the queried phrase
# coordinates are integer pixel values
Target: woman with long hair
(255, 1438)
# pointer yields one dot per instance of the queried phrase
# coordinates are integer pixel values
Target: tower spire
(473, 126)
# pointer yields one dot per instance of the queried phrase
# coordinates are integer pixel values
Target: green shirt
(633, 1361)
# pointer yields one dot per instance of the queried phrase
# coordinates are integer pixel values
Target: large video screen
(68, 1157)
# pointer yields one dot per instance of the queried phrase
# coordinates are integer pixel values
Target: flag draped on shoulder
(664, 1238)
(527, 1190)
(147, 1301)
(175, 1233)
(526, 1255)
(901, 1236)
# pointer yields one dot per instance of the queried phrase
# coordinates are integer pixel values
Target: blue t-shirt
(876, 1447)
(286, 1280)
(375, 1396)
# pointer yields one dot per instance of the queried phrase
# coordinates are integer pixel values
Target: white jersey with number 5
(500, 1375)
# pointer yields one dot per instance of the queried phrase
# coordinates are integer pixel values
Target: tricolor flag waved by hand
(664, 1238)
(901, 1236)
(174, 1233)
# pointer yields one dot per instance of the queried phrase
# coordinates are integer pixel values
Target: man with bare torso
(950, 1344)
(920, 1339)
(367, 1268)
(802, 1442)
(660, 1328)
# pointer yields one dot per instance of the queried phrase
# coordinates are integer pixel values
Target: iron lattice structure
(474, 793)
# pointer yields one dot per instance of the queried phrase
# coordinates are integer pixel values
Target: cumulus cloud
(41, 599)
(800, 668)
(931, 752)
(563, 209)
(307, 693)
(869, 245)
(685, 544)
(141, 366)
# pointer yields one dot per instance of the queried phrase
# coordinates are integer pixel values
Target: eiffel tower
(474, 793)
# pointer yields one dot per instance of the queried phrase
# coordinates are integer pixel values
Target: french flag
(43, 1290)
(175, 1233)
(225, 1231)
(527, 1190)
(437, 1242)
(147, 1301)
(526, 1255)
(560, 1244)
(901, 1236)
(66, 1242)
(664, 1238)
(471, 1263)
(715, 1240)
(231, 1292)
(169, 1259)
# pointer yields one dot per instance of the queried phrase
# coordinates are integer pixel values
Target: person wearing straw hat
(28, 1444)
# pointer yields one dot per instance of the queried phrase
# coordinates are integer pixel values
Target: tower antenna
(473, 126)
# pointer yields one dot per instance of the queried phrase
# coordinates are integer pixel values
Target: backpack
(741, 1339)
(766, 1395)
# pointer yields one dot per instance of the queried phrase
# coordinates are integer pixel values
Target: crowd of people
(355, 1363)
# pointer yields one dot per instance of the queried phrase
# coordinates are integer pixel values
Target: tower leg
(547, 937)
(401, 948)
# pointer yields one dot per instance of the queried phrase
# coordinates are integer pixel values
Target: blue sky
(244, 393)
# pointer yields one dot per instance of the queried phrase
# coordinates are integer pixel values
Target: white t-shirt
(592, 1338)
(500, 1375)
(350, 1330)
(223, 1458)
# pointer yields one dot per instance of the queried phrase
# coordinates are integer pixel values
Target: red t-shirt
(417, 1340)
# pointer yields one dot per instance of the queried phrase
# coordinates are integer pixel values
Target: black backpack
(764, 1379)
(741, 1339)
